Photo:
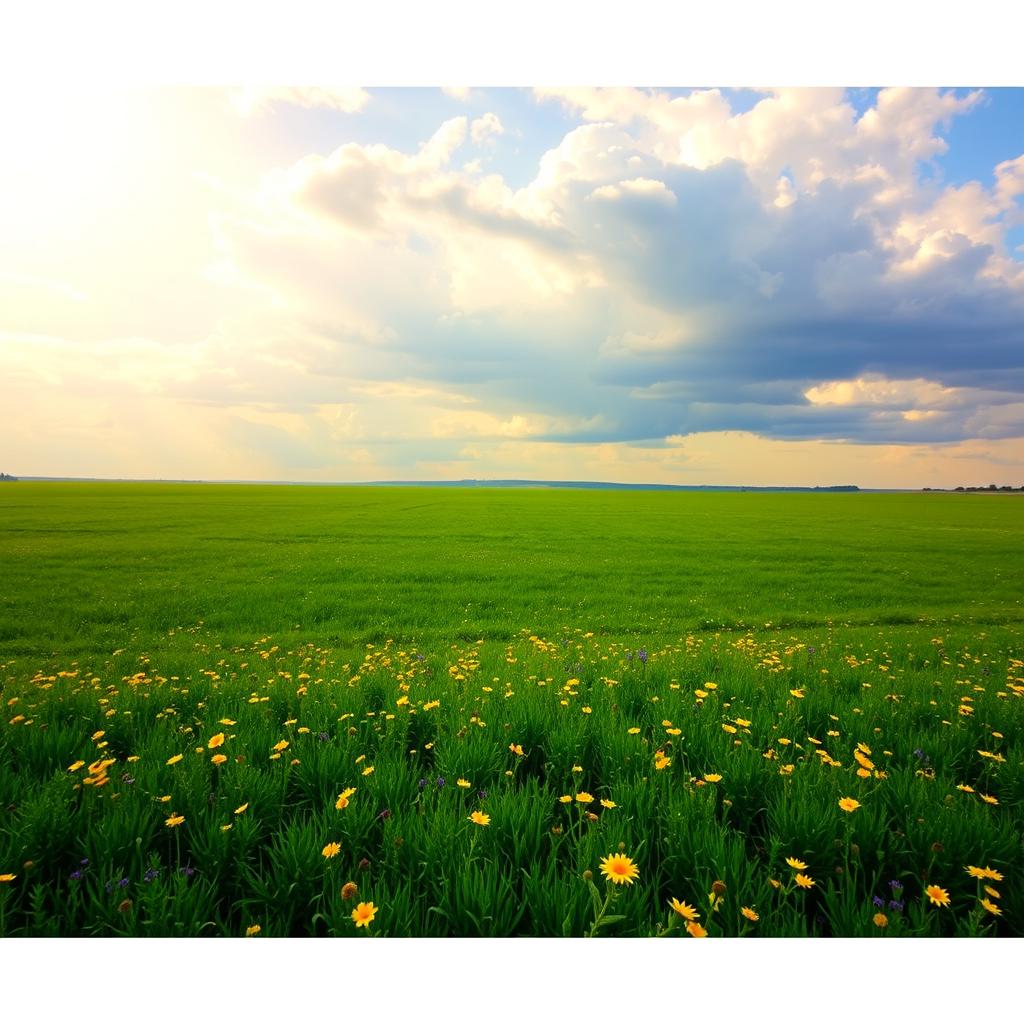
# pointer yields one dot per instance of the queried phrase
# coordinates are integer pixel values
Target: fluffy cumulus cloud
(675, 281)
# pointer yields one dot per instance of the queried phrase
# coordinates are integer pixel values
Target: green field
(702, 666)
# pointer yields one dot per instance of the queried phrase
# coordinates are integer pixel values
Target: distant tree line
(990, 487)
(5, 477)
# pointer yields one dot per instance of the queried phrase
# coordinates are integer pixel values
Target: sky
(803, 286)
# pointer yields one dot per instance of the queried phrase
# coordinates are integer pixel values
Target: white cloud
(253, 100)
(486, 127)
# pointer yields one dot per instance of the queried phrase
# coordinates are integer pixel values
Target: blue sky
(675, 285)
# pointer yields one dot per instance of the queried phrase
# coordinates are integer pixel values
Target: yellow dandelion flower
(609, 804)
(368, 770)
(216, 741)
(991, 907)
(683, 909)
(750, 913)
(331, 850)
(584, 798)
(218, 759)
(464, 784)
(74, 767)
(696, 930)
(880, 920)
(479, 818)
(242, 809)
(618, 868)
(364, 914)
(281, 745)
(633, 731)
(938, 895)
(7, 878)
(174, 820)
(567, 799)
(343, 798)
(796, 865)
(175, 759)
(253, 929)
(804, 881)
(712, 778)
(965, 789)
(227, 721)
(848, 804)
(516, 749)
(988, 799)
(994, 893)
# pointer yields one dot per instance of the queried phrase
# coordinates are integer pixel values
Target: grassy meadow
(351, 711)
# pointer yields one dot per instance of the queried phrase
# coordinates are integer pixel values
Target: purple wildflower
(76, 875)
(878, 901)
(895, 904)
(440, 781)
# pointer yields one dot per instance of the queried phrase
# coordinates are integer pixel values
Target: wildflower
(986, 872)
(216, 741)
(364, 914)
(331, 850)
(7, 878)
(774, 883)
(750, 914)
(696, 930)
(880, 920)
(242, 809)
(174, 820)
(175, 759)
(463, 784)
(349, 890)
(988, 799)
(440, 782)
(796, 865)
(994, 893)
(253, 929)
(878, 901)
(479, 818)
(226, 721)
(937, 895)
(584, 798)
(609, 804)
(516, 749)
(368, 770)
(281, 745)
(683, 909)
(618, 868)
(634, 731)
(74, 767)
(805, 881)
(218, 759)
(712, 778)
(848, 804)
(566, 799)
(661, 762)
(991, 907)
(124, 906)
(718, 888)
